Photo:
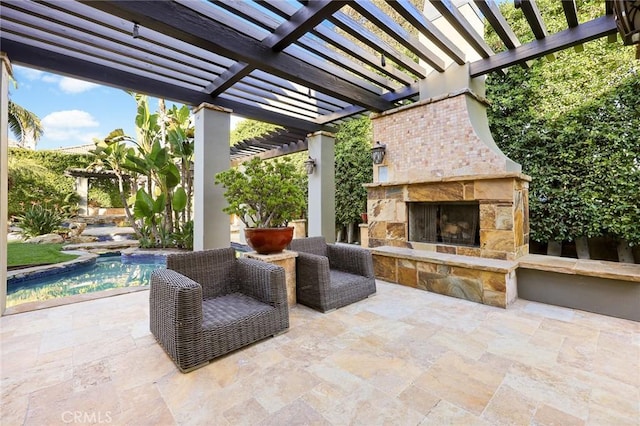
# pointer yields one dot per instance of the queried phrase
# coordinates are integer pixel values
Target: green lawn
(24, 254)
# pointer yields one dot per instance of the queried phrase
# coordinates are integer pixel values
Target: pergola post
(5, 72)
(211, 155)
(322, 202)
(82, 189)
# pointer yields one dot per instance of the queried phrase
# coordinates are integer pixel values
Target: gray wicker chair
(330, 276)
(208, 303)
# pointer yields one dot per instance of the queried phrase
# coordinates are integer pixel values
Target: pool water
(107, 272)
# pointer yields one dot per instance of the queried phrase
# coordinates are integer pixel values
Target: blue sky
(73, 112)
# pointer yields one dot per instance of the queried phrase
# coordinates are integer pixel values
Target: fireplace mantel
(436, 179)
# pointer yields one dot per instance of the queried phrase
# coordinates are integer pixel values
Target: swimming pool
(105, 273)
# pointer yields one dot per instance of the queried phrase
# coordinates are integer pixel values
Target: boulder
(81, 239)
(46, 239)
(76, 229)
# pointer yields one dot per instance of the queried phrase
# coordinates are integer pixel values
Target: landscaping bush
(40, 219)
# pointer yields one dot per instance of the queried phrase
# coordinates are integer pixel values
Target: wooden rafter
(493, 15)
(408, 11)
(533, 17)
(463, 27)
(382, 21)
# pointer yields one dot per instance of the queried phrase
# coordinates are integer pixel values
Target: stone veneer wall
(504, 219)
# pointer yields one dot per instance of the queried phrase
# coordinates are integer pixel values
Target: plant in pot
(265, 196)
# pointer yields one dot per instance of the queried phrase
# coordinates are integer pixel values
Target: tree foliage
(247, 129)
(573, 124)
(353, 168)
(161, 155)
(265, 194)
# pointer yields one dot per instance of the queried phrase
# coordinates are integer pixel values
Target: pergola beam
(588, 31)
(187, 25)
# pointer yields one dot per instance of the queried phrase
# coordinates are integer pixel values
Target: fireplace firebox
(454, 223)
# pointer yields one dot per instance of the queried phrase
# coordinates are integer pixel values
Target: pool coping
(83, 258)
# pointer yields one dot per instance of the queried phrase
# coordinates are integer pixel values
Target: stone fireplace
(448, 211)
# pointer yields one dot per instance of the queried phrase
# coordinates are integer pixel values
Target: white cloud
(48, 78)
(30, 73)
(70, 126)
(71, 85)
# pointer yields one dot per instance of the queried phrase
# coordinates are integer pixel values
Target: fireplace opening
(453, 223)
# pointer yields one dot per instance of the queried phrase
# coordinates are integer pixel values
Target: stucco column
(211, 155)
(82, 189)
(5, 72)
(322, 187)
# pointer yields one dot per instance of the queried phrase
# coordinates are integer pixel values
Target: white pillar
(82, 189)
(5, 72)
(211, 155)
(322, 187)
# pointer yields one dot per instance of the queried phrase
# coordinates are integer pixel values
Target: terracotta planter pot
(268, 240)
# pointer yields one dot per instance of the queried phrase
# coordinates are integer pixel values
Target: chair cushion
(231, 308)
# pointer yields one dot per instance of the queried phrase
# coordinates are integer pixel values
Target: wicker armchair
(330, 276)
(208, 303)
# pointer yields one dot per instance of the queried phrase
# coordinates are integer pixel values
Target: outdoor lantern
(310, 165)
(377, 152)
(627, 14)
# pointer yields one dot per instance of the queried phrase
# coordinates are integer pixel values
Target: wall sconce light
(377, 152)
(136, 30)
(310, 165)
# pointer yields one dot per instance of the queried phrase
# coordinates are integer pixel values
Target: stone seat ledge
(584, 267)
(480, 263)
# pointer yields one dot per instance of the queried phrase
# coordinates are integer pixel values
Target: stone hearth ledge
(482, 280)
(464, 178)
(471, 262)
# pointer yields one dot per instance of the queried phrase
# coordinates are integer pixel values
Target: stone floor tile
(549, 311)
(142, 406)
(98, 402)
(298, 413)
(370, 406)
(418, 399)
(559, 390)
(281, 384)
(549, 416)
(463, 381)
(509, 407)
(445, 413)
(246, 413)
(390, 374)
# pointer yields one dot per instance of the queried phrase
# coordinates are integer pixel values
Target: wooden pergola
(304, 65)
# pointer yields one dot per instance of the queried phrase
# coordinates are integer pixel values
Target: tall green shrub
(353, 169)
(573, 124)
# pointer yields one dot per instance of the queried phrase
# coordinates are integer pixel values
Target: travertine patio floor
(402, 357)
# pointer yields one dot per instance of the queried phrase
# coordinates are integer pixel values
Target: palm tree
(25, 125)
